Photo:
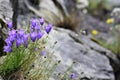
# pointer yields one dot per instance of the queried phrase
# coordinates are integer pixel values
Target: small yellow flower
(110, 21)
(94, 32)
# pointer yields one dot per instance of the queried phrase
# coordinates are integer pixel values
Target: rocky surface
(113, 3)
(91, 62)
(1, 78)
(6, 9)
(81, 4)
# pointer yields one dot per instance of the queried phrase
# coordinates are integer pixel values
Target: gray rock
(81, 4)
(1, 78)
(6, 9)
(108, 4)
(91, 63)
(113, 2)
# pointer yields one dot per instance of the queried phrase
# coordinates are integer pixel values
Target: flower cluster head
(20, 37)
(37, 29)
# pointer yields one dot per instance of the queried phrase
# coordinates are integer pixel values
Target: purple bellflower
(43, 53)
(48, 28)
(7, 49)
(25, 37)
(38, 27)
(11, 39)
(25, 40)
(12, 35)
(41, 21)
(40, 34)
(73, 76)
(18, 42)
(33, 22)
(8, 42)
(33, 36)
(12, 32)
(10, 25)
(21, 33)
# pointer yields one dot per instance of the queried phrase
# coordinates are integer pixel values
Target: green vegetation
(114, 47)
(95, 4)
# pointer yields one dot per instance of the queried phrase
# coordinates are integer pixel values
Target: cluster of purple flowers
(36, 27)
(17, 36)
(21, 37)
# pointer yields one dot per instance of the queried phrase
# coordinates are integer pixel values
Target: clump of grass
(69, 17)
(69, 22)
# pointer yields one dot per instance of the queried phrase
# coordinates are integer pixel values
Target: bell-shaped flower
(33, 22)
(37, 28)
(7, 49)
(25, 40)
(73, 76)
(33, 36)
(41, 21)
(11, 39)
(40, 34)
(43, 53)
(8, 42)
(12, 33)
(48, 28)
(10, 25)
(18, 42)
(25, 37)
(21, 33)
